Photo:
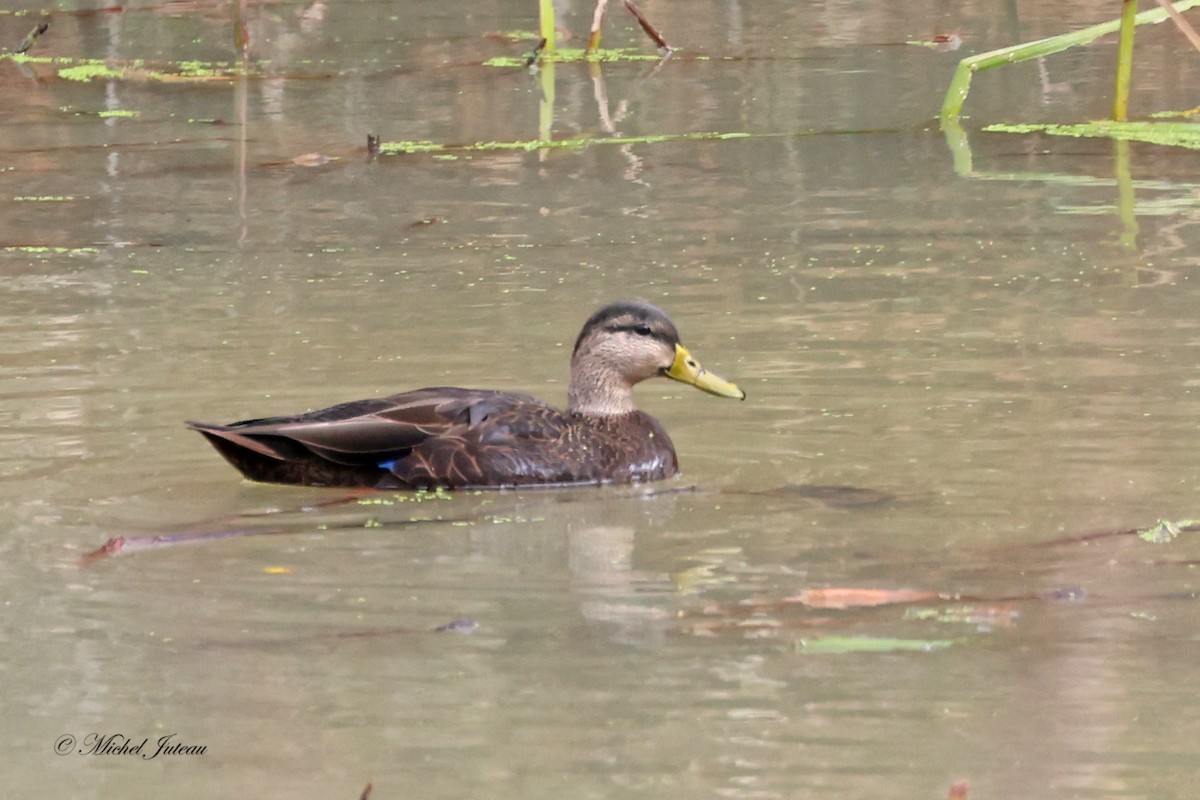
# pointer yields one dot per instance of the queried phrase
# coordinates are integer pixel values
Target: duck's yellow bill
(687, 369)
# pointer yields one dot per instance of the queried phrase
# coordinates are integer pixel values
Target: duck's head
(625, 343)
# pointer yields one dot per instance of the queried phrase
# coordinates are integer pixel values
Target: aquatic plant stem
(241, 27)
(597, 23)
(546, 104)
(1126, 197)
(1120, 111)
(960, 84)
(241, 98)
(960, 147)
(546, 23)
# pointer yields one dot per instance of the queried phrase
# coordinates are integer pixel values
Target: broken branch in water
(128, 545)
(242, 525)
(537, 51)
(28, 41)
(1162, 531)
(597, 22)
(647, 26)
(1184, 26)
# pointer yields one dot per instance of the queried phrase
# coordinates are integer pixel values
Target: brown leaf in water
(312, 160)
(846, 597)
(958, 791)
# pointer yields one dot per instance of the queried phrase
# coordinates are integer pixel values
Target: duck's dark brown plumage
(457, 438)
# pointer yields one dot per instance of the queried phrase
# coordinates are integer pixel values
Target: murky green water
(1000, 359)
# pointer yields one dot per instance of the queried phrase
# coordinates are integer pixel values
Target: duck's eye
(642, 329)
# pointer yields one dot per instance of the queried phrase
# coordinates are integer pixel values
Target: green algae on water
(1185, 114)
(870, 644)
(1171, 134)
(530, 145)
(569, 54)
(89, 72)
(45, 250)
(1165, 531)
(419, 496)
(91, 69)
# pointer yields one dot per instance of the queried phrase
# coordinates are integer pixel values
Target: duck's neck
(598, 391)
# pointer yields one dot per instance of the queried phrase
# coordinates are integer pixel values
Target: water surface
(999, 360)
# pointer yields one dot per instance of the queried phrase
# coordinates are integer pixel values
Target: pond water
(995, 352)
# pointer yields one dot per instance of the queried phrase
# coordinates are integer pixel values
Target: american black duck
(460, 438)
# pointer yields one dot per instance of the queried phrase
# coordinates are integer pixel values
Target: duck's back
(534, 444)
(449, 437)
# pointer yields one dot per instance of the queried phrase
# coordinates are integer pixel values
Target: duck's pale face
(624, 344)
(631, 353)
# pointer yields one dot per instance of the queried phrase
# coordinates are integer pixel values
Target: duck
(448, 437)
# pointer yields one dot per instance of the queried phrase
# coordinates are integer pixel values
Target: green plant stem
(546, 23)
(1126, 197)
(597, 23)
(546, 104)
(1120, 111)
(960, 84)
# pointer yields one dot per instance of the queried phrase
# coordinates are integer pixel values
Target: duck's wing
(367, 432)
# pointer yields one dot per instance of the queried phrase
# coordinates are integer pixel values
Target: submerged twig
(129, 545)
(1149, 534)
(238, 526)
(667, 55)
(463, 625)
